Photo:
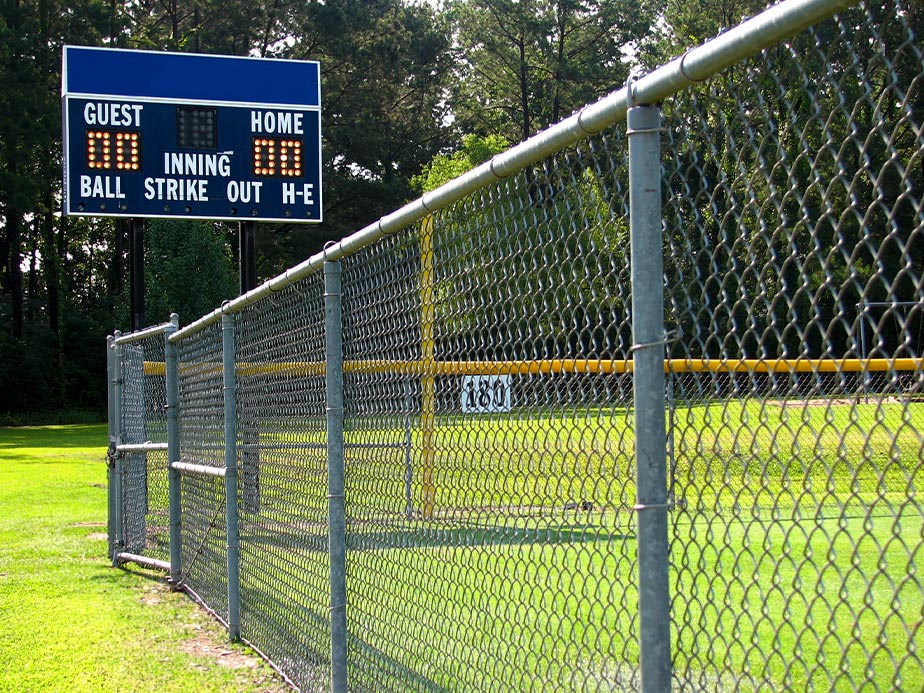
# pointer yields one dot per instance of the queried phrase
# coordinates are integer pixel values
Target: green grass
(795, 550)
(779, 605)
(68, 620)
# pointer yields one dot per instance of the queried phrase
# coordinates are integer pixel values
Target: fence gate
(138, 485)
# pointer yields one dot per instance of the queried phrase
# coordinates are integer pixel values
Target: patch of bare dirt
(207, 643)
(202, 646)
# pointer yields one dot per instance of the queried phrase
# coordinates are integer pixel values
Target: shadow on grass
(70, 436)
(472, 536)
(429, 537)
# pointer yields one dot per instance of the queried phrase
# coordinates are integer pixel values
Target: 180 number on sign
(485, 394)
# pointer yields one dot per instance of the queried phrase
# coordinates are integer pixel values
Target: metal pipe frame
(125, 557)
(111, 452)
(172, 377)
(116, 478)
(141, 447)
(151, 331)
(201, 469)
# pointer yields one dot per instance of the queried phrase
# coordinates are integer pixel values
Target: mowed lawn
(68, 620)
(795, 547)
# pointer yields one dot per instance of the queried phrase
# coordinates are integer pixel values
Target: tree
(475, 150)
(517, 278)
(197, 26)
(35, 247)
(523, 65)
(383, 67)
(776, 164)
(188, 269)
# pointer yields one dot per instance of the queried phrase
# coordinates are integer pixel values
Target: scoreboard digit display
(149, 134)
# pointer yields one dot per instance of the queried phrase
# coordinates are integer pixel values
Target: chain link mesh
(283, 481)
(145, 526)
(795, 257)
(488, 409)
(204, 538)
(488, 475)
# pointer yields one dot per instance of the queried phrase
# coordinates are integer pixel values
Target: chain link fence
(440, 474)
(795, 240)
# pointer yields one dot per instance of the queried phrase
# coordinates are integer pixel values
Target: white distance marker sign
(486, 394)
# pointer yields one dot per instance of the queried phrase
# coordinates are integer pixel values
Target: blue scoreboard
(152, 134)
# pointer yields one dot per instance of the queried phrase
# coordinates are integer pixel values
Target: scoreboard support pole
(250, 453)
(248, 256)
(135, 228)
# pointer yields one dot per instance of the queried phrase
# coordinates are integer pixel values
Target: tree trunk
(33, 278)
(14, 272)
(524, 92)
(50, 264)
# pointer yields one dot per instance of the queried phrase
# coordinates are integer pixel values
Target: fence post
(644, 134)
(111, 452)
(333, 330)
(231, 509)
(116, 479)
(428, 375)
(171, 369)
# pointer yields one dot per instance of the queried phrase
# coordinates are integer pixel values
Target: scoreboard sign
(149, 134)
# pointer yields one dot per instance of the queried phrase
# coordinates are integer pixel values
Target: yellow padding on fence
(155, 368)
(553, 366)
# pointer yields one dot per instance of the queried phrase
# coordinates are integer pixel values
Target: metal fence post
(116, 479)
(428, 376)
(171, 369)
(333, 327)
(644, 128)
(231, 509)
(111, 452)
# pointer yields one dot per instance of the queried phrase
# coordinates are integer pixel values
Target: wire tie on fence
(335, 495)
(653, 506)
(630, 81)
(337, 607)
(327, 246)
(669, 338)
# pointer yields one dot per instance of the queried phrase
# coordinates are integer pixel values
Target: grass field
(795, 550)
(70, 622)
(795, 541)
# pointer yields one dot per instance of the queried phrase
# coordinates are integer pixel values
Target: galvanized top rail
(151, 331)
(696, 65)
